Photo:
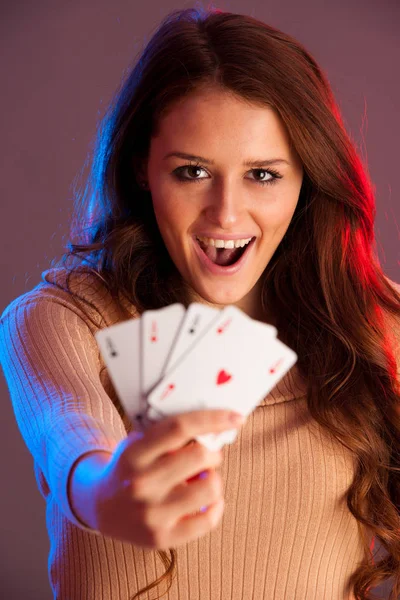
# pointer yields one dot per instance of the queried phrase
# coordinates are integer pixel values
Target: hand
(146, 494)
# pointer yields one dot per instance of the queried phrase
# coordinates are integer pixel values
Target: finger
(169, 470)
(172, 433)
(188, 500)
(191, 527)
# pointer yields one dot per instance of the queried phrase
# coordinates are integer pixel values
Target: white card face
(197, 319)
(159, 329)
(234, 365)
(120, 348)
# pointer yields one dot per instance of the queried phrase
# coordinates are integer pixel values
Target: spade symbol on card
(111, 348)
(223, 377)
(194, 325)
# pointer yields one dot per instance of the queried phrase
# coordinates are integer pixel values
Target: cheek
(278, 211)
(174, 205)
(276, 219)
(172, 216)
(163, 205)
(161, 209)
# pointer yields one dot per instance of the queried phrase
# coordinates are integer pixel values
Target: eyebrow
(247, 163)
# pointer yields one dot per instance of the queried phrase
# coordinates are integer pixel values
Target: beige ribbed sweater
(286, 532)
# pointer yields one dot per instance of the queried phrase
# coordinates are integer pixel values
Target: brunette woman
(226, 129)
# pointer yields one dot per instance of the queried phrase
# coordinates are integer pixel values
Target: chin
(220, 296)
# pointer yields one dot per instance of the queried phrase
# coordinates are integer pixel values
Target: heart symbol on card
(223, 377)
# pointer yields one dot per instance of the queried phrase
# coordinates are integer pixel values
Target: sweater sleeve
(52, 367)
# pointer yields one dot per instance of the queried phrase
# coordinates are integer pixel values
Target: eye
(192, 169)
(273, 176)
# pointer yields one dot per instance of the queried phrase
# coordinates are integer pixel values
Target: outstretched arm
(51, 364)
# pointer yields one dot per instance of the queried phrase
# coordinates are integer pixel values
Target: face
(228, 194)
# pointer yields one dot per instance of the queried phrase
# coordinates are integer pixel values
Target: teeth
(224, 243)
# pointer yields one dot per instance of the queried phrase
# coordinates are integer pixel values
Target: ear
(140, 168)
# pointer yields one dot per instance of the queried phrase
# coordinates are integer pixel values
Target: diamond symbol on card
(168, 390)
(275, 367)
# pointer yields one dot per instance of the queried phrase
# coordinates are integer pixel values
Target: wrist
(83, 485)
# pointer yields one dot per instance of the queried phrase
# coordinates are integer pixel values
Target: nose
(225, 205)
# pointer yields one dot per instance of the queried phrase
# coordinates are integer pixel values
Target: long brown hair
(334, 305)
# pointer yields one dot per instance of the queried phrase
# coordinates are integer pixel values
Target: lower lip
(218, 269)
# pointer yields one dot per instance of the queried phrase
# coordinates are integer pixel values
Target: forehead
(218, 119)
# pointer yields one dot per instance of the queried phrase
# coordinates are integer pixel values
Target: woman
(226, 128)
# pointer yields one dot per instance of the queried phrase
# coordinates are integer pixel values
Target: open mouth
(224, 257)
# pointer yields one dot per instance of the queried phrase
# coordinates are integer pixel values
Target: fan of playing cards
(175, 360)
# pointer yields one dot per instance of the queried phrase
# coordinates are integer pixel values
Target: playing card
(159, 329)
(197, 319)
(120, 348)
(233, 365)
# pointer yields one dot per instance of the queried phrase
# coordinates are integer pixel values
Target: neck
(251, 305)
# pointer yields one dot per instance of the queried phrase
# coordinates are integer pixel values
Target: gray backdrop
(60, 63)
